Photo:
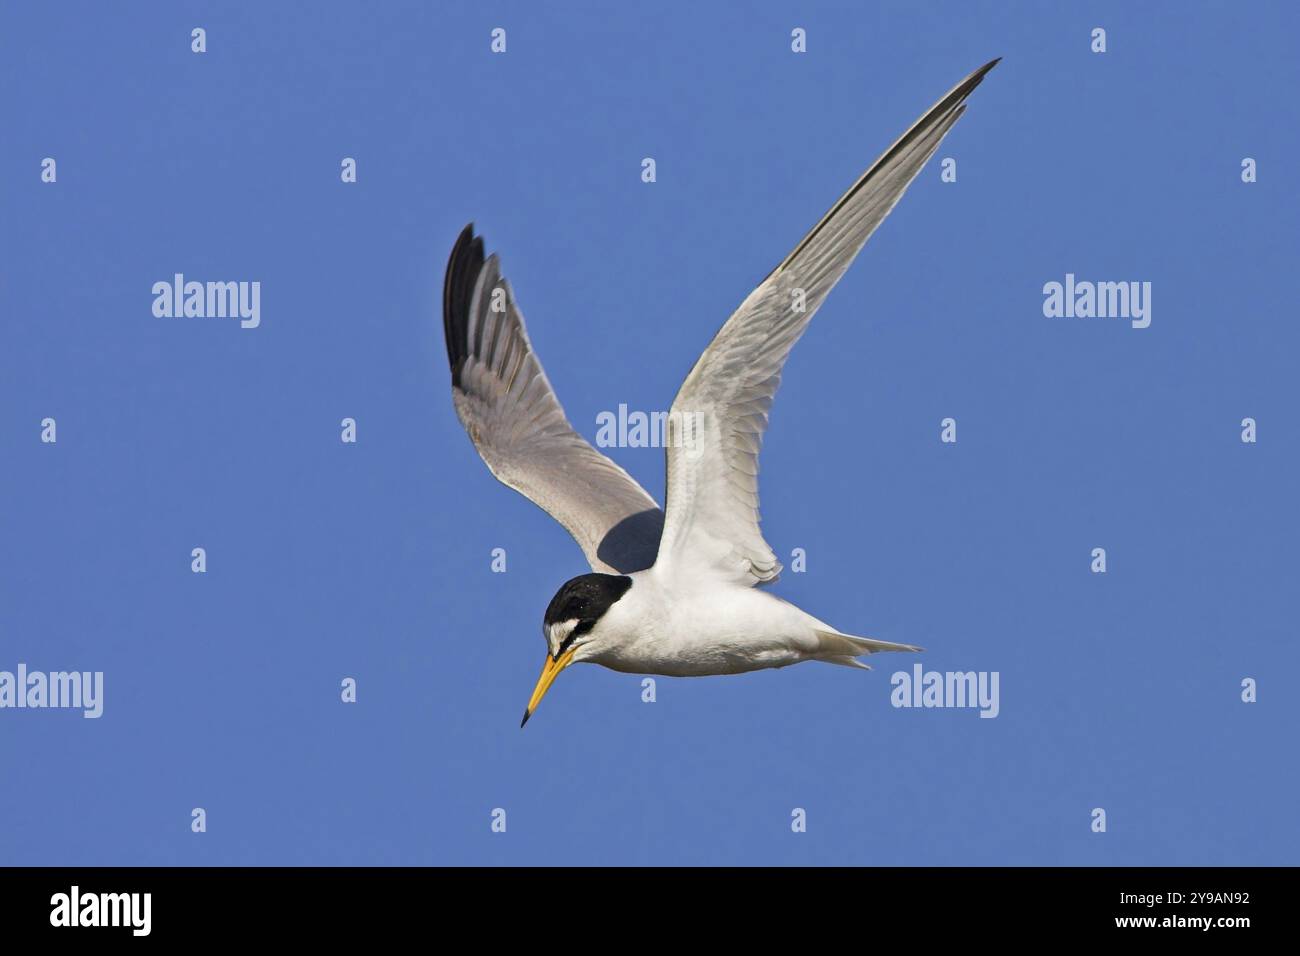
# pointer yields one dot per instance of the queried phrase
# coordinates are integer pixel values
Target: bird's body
(673, 591)
(680, 628)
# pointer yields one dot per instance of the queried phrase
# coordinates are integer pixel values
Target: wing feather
(718, 419)
(504, 400)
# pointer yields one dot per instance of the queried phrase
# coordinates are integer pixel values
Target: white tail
(845, 649)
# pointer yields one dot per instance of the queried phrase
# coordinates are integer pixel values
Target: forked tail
(845, 649)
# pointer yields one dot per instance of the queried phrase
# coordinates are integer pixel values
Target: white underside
(680, 629)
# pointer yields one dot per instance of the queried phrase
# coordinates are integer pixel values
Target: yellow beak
(550, 670)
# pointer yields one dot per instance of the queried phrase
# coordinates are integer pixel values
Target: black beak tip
(527, 714)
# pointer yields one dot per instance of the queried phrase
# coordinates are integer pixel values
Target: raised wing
(507, 406)
(717, 422)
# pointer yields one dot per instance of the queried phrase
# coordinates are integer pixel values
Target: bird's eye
(583, 627)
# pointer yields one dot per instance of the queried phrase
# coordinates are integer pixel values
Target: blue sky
(372, 560)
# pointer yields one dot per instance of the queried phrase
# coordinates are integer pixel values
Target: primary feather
(507, 405)
(720, 414)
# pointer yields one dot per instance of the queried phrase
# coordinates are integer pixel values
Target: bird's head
(572, 626)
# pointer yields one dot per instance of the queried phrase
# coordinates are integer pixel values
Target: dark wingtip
(955, 100)
(974, 79)
(527, 714)
(967, 85)
(463, 267)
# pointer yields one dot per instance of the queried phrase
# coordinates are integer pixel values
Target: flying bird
(672, 591)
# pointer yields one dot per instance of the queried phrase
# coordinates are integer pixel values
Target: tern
(672, 591)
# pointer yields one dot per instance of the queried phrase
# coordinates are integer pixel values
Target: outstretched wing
(719, 416)
(507, 406)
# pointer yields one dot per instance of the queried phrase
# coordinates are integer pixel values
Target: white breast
(683, 631)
